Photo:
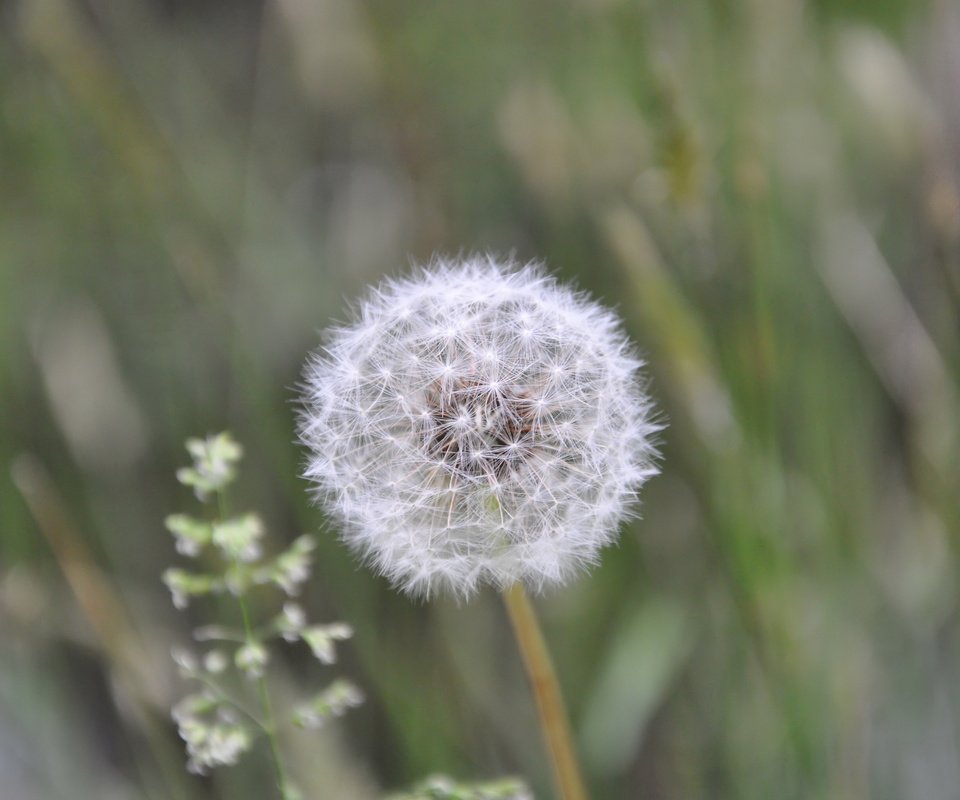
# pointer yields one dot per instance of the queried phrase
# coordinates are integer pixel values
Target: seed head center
(477, 429)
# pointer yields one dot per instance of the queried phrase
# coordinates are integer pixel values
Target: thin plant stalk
(268, 725)
(554, 721)
(266, 708)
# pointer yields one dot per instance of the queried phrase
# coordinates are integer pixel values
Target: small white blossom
(215, 662)
(478, 423)
(214, 464)
(442, 787)
(291, 622)
(190, 534)
(334, 701)
(292, 567)
(321, 640)
(183, 585)
(173, 579)
(294, 615)
(212, 734)
(251, 658)
(239, 538)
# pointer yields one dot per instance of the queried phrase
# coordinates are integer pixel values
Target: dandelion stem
(543, 680)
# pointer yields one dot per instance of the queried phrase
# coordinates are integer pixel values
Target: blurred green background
(767, 190)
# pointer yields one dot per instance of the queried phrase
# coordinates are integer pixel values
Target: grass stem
(269, 724)
(266, 709)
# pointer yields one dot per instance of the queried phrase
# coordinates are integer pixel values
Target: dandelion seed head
(477, 423)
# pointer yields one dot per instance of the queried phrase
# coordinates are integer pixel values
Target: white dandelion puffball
(477, 423)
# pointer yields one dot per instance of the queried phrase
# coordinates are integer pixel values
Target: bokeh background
(767, 190)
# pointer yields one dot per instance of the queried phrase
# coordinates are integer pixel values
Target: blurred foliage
(768, 191)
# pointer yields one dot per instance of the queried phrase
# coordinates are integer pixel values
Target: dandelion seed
(478, 423)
